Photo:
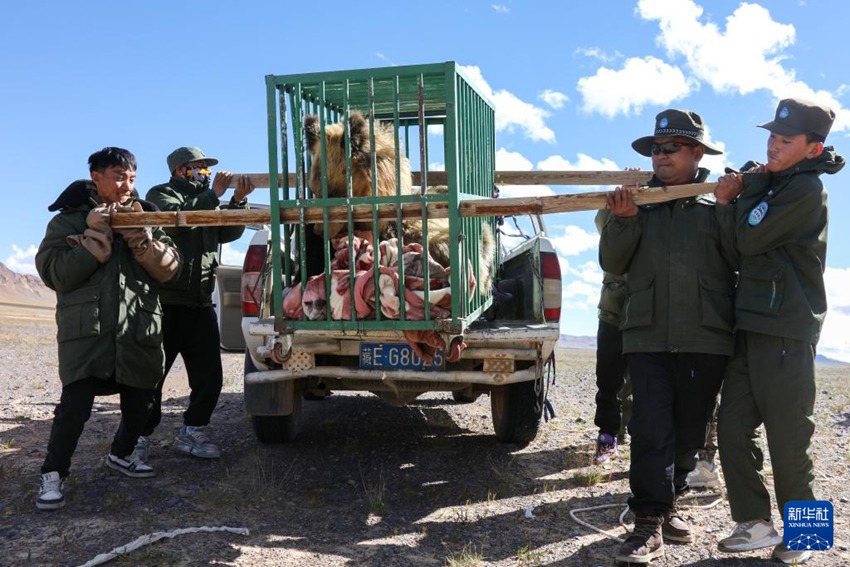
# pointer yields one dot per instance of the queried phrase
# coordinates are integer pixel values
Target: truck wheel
(465, 396)
(272, 428)
(517, 409)
(276, 428)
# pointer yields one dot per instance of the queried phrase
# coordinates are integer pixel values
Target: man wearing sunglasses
(190, 324)
(679, 261)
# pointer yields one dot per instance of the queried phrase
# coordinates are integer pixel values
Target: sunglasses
(668, 148)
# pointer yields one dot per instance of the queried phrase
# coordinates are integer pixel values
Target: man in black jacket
(190, 323)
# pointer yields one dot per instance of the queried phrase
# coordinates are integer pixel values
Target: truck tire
(465, 396)
(516, 410)
(276, 428)
(273, 428)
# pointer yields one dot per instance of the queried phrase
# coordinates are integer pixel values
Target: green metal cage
(437, 117)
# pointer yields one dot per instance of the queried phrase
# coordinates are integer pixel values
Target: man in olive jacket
(780, 306)
(108, 315)
(679, 259)
(190, 323)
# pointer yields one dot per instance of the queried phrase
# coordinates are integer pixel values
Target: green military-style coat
(783, 249)
(679, 260)
(199, 245)
(108, 315)
(613, 293)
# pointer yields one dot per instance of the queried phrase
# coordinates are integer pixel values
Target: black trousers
(74, 410)
(191, 332)
(611, 369)
(674, 398)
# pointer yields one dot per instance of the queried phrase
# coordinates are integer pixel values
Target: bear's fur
(361, 162)
(361, 186)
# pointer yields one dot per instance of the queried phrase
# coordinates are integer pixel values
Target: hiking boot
(51, 493)
(143, 448)
(705, 475)
(606, 447)
(130, 466)
(675, 528)
(194, 441)
(791, 556)
(644, 543)
(748, 536)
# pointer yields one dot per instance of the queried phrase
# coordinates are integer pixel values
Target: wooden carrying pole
(470, 208)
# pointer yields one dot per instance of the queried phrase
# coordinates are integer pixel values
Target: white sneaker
(705, 475)
(130, 466)
(194, 441)
(748, 536)
(143, 448)
(51, 493)
(791, 556)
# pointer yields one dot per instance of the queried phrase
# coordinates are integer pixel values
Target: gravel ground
(365, 483)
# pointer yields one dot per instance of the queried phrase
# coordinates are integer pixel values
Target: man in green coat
(107, 313)
(780, 305)
(679, 260)
(190, 323)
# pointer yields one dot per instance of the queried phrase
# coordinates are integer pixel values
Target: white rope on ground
(156, 536)
(625, 511)
(574, 511)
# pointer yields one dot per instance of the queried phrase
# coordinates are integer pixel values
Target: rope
(156, 536)
(625, 511)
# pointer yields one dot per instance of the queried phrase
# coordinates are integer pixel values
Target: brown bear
(385, 166)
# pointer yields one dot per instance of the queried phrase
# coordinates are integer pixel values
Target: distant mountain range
(23, 289)
(577, 343)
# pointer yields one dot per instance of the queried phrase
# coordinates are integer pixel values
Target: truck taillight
(252, 269)
(551, 286)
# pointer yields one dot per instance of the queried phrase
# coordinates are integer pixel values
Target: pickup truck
(497, 341)
(507, 352)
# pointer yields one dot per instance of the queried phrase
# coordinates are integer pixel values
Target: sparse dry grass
(374, 491)
(467, 556)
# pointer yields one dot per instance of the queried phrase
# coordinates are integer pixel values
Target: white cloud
(230, 256)
(384, 58)
(578, 288)
(507, 160)
(22, 261)
(500, 8)
(511, 112)
(509, 191)
(627, 90)
(835, 339)
(598, 53)
(554, 99)
(583, 163)
(574, 240)
(590, 272)
(578, 299)
(736, 60)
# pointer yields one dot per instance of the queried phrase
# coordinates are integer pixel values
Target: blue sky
(574, 83)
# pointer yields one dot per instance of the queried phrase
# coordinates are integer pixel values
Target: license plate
(398, 356)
